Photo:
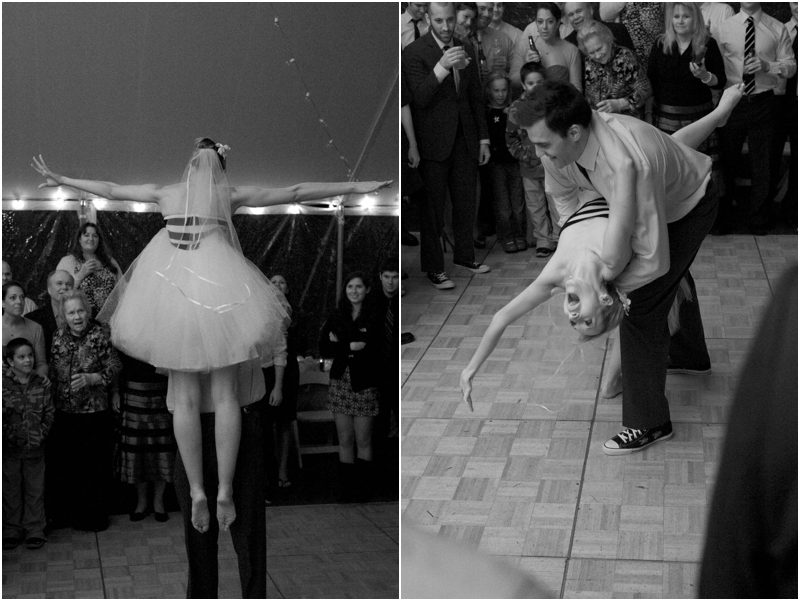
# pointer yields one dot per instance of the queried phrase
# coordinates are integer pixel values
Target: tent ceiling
(119, 91)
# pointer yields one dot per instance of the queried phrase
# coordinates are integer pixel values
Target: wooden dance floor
(524, 478)
(313, 551)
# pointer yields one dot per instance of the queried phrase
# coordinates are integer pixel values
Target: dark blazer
(436, 107)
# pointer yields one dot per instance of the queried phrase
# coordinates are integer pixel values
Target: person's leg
(502, 204)
(249, 531)
(186, 424)
(362, 427)
(516, 197)
(141, 497)
(434, 174)
(760, 134)
(33, 482)
(12, 496)
(227, 432)
(644, 334)
(485, 224)
(346, 434)
(731, 138)
(91, 473)
(462, 181)
(201, 548)
(687, 348)
(284, 439)
(536, 202)
(554, 231)
(159, 486)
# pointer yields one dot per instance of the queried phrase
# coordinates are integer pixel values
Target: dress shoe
(138, 516)
(408, 239)
(161, 517)
(407, 338)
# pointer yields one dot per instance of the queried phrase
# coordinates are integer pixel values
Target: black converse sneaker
(631, 439)
(440, 280)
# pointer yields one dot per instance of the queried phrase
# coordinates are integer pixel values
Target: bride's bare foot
(200, 515)
(728, 101)
(226, 512)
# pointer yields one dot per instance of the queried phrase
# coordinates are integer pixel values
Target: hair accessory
(222, 149)
(626, 302)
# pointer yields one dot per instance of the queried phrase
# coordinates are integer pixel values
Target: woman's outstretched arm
(252, 196)
(109, 190)
(527, 300)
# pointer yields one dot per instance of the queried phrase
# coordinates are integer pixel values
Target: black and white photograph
(599, 325)
(201, 300)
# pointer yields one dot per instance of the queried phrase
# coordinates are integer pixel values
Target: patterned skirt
(342, 399)
(146, 448)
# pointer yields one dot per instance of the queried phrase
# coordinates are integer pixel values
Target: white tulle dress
(191, 301)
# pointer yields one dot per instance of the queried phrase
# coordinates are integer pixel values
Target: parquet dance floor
(313, 551)
(524, 478)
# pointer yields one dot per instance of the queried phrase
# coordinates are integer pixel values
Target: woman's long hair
(669, 41)
(102, 254)
(345, 308)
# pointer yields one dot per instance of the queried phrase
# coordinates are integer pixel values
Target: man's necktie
(416, 28)
(585, 174)
(389, 327)
(455, 71)
(749, 50)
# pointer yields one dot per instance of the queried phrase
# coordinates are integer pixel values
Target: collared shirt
(714, 14)
(671, 180)
(773, 45)
(507, 28)
(407, 29)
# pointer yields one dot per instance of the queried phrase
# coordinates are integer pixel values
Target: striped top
(594, 208)
(186, 232)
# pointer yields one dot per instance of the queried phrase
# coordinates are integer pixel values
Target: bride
(192, 304)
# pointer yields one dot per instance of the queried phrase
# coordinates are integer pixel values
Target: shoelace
(628, 434)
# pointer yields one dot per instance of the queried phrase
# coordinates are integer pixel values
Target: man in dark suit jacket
(58, 282)
(446, 102)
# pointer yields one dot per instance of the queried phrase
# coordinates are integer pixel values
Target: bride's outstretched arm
(527, 300)
(252, 196)
(109, 190)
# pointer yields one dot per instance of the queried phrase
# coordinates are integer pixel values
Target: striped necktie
(416, 28)
(749, 51)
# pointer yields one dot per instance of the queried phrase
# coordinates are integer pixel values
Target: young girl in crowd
(508, 199)
(28, 415)
(541, 214)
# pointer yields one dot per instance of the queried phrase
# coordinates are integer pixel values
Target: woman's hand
(369, 187)
(89, 267)
(115, 401)
(52, 179)
(332, 337)
(613, 105)
(413, 156)
(466, 388)
(357, 346)
(81, 381)
(698, 70)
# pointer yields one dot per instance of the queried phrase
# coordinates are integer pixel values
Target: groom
(662, 205)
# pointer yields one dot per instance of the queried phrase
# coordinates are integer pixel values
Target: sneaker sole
(688, 372)
(609, 451)
(448, 286)
(475, 271)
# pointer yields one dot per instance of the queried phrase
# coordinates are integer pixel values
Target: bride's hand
(52, 178)
(466, 388)
(369, 187)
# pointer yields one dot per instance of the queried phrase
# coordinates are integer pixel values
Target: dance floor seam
(523, 478)
(313, 551)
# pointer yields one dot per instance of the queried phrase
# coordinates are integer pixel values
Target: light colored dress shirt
(773, 45)
(671, 180)
(407, 29)
(561, 53)
(507, 28)
(714, 13)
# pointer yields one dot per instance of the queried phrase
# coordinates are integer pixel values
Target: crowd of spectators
(463, 67)
(78, 414)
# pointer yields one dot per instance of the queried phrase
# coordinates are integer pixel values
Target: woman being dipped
(352, 337)
(95, 271)
(593, 304)
(192, 304)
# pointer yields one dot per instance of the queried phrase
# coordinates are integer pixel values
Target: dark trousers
(80, 460)
(509, 201)
(752, 119)
(458, 175)
(23, 493)
(485, 224)
(248, 532)
(645, 342)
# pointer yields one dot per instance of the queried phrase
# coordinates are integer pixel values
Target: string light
(139, 207)
(294, 209)
(18, 204)
(291, 62)
(99, 203)
(367, 202)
